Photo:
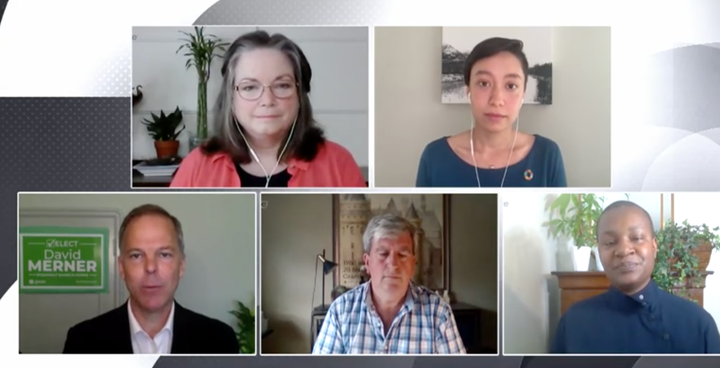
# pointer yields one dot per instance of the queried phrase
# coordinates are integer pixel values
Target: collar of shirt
(410, 298)
(293, 165)
(648, 297)
(136, 333)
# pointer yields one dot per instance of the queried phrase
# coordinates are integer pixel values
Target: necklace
(472, 152)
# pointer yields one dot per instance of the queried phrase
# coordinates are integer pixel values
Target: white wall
(531, 304)
(219, 234)
(698, 209)
(528, 259)
(407, 103)
(338, 57)
(658, 205)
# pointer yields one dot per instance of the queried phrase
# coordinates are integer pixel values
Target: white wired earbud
(255, 156)
(472, 148)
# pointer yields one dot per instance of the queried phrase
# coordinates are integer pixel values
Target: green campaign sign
(63, 260)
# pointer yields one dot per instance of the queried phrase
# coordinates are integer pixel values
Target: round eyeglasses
(253, 90)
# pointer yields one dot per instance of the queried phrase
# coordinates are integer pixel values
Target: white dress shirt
(142, 343)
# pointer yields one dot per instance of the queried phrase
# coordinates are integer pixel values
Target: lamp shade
(328, 266)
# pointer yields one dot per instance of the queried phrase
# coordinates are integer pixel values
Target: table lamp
(327, 267)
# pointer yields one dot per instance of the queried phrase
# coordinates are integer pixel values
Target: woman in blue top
(493, 153)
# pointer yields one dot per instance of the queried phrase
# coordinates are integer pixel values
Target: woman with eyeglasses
(265, 134)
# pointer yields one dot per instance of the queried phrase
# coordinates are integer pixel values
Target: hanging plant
(683, 253)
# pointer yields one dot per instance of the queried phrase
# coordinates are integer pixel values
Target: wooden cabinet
(577, 286)
(316, 322)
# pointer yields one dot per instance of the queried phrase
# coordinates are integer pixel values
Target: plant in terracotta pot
(574, 216)
(164, 131)
(684, 252)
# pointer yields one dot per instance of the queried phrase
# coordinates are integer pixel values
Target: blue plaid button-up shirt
(424, 325)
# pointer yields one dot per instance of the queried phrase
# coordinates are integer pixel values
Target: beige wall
(296, 227)
(407, 103)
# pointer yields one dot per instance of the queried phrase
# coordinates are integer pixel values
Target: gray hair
(150, 209)
(307, 136)
(387, 226)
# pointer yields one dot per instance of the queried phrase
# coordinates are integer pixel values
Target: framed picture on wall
(458, 42)
(667, 208)
(430, 213)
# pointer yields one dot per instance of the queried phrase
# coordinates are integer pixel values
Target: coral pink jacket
(333, 166)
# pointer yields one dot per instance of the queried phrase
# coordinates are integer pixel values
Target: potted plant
(575, 216)
(684, 252)
(245, 327)
(164, 131)
(201, 49)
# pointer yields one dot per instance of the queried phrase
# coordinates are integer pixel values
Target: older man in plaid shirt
(389, 314)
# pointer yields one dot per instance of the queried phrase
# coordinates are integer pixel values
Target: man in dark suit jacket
(151, 262)
(192, 333)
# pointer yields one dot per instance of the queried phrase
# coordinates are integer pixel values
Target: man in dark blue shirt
(634, 316)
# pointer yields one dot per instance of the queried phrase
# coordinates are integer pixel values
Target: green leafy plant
(164, 128)
(201, 49)
(245, 327)
(575, 215)
(678, 262)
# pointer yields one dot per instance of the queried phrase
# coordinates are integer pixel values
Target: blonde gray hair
(386, 226)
